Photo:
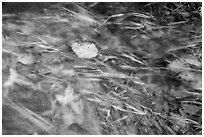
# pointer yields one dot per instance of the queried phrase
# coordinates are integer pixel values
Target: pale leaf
(86, 50)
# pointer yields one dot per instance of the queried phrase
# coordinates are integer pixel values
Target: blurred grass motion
(145, 80)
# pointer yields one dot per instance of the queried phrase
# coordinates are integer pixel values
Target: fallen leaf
(68, 97)
(26, 59)
(85, 50)
(191, 109)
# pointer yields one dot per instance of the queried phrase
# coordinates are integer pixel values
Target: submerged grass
(146, 78)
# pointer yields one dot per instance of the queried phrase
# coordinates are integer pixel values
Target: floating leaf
(26, 59)
(190, 76)
(191, 109)
(86, 49)
(68, 98)
(191, 60)
(177, 66)
(184, 63)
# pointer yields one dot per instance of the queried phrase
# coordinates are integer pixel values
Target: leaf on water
(191, 76)
(184, 63)
(192, 60)
(26, 59)
(75, 114)
(191, 109)
(180, 120)
(68, 97)
(177, 66)
(194, 78)
(86, 50)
